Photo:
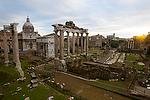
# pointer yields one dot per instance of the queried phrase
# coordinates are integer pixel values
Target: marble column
(84, 50)
(16, 50)
(81, 42)
(37, 49)
(77, 43)
(61, 44)
(133, 45)
(87, 40)
(56, 43)
(128, 44)
(6, 62)
(13, 47)
(73, 44)
(46, 50)
(68, 44)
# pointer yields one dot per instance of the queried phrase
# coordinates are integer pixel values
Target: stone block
(27, 98)
(1, 95)
(6, 85)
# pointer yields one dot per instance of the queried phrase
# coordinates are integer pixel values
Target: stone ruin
(13, 29)
(34, 81)
(69, 28)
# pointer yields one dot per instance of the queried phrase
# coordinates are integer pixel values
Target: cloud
(123, 17)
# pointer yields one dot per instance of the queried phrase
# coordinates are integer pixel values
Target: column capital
(73, 33)
(3, 31)
(87, 33)
(14, 24)
(7, 27)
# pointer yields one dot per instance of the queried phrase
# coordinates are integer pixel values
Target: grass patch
(132, 58)
(8, 74)
(50, 66)
(109, 86)
(95, 52)
(139, 67)
(115, 83)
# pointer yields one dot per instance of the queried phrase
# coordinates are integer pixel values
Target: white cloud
(125, 18)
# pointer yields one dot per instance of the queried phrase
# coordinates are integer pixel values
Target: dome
(28, 27)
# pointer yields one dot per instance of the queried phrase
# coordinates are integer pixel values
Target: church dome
(28, 27)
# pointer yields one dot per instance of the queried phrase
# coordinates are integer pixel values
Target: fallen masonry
(34, 81)
(1, 95)
(6, 85)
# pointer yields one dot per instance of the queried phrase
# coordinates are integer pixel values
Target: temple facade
(28, 36)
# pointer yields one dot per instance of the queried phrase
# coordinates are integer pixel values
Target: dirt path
(93, 93)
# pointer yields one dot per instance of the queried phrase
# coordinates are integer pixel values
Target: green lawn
(8, 74)
(139, 67)
(132, 58)
(95, 52)
(49, 67)
(109, 86)
(114, 83)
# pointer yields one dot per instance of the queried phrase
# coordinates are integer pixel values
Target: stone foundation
(60, 65)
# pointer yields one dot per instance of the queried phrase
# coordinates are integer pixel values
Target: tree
(114, 44)
(148, 50)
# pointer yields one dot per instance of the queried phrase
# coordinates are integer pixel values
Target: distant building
(9, 40)
(53, 35)
(111, 37)
(28, 36)
(95, 41)
(45, 46)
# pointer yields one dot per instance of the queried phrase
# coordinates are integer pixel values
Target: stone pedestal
(60, 65)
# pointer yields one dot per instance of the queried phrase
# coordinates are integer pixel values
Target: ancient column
(81, 42)
(77, 43)
(56, 43)
(6, 62)
(61, 44)
(46, 50)
(68, 44)
(128, 44)
(84, 50)
(87, 44)
(15, 49)
(133, 45)
(73, 44)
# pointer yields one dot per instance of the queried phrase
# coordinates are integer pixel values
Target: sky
(125, 18)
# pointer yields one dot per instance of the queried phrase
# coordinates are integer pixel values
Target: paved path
(106, 57)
